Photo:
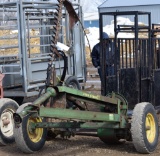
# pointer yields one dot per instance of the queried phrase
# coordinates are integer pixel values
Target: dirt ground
(78, 146)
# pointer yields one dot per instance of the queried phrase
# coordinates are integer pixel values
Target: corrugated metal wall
(154, 9)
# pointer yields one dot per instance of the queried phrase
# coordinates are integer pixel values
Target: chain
(56, 28)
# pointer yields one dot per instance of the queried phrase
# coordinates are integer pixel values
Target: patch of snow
(93, 35)
(61, 46)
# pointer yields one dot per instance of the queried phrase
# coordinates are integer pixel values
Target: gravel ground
(78, 146)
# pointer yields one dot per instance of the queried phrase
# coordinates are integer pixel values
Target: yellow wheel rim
(36, 134)
(150, 128)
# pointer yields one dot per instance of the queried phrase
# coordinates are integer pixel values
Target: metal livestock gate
(25, 39)
(136, 61)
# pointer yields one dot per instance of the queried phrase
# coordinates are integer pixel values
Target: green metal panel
(96, 125)
(87, 95)
(50, 92)
(76, 114)
(87, 125)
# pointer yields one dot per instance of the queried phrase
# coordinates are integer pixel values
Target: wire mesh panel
(10, 62)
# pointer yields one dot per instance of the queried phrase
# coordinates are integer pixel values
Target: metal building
(91, 19)
(152, 6)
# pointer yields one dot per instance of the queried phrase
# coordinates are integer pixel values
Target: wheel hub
(6, 121)
(150, 128)
(34, 134)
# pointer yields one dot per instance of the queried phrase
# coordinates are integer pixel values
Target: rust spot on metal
(73, 17)
(1, 86)
(95, 116)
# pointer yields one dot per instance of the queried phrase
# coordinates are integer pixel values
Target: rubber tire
(138, 129)
(23, 142)
(73, 82)
(12, 105)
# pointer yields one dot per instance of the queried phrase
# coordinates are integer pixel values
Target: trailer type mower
(127, 110)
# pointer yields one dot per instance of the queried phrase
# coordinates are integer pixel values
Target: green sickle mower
(63, 110)
(111, 122)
